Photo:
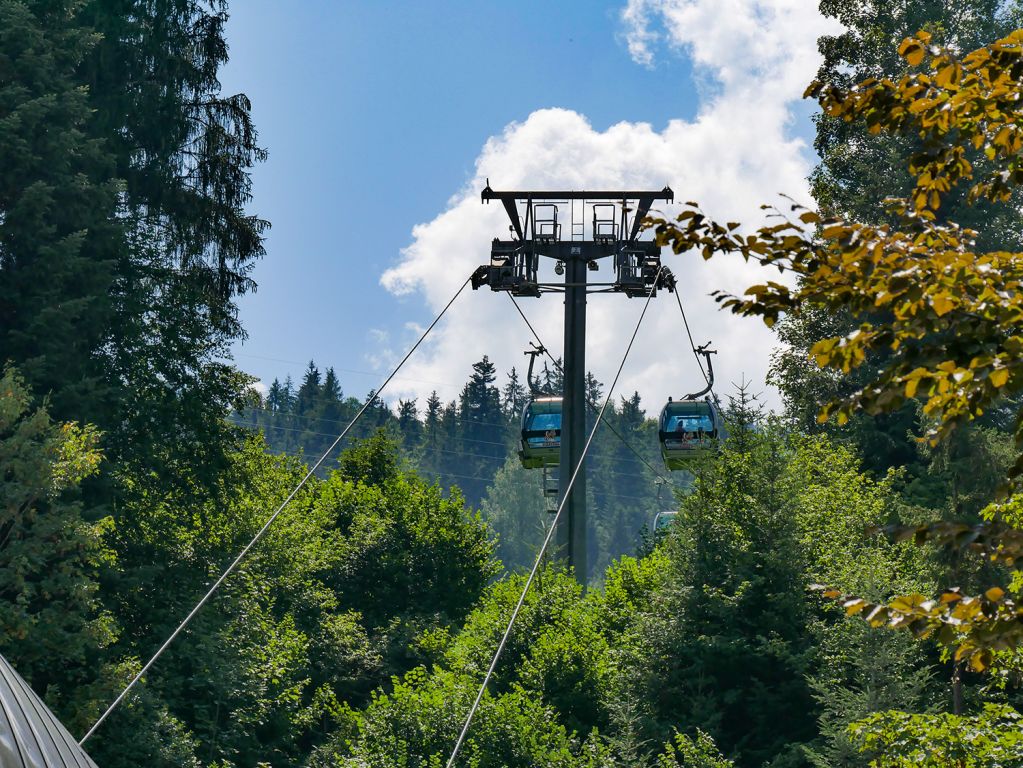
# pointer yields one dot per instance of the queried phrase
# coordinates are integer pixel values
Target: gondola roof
(30, 734)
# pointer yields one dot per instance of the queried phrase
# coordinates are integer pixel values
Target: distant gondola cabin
(541, 433)
(663, 520)
(688, 429)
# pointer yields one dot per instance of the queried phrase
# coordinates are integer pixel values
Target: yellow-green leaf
(854, 606)
(995, 594)
(911, 51)
(947, 75)
(943, 304)
(979, 661)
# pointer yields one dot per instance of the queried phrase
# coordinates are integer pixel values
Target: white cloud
(738, 152)
(638, 32)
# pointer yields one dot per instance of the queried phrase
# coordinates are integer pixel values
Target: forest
(841, 585)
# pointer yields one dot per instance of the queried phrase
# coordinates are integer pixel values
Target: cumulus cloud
(639, 33)
(737, 152)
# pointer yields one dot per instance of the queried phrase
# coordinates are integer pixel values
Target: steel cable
(692, 344)
(267, 524)
(592, 405)
(547, 539)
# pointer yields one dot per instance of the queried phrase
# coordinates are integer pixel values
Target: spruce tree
(594, 390)
(728, 646)
(409, 425)
(182, 153)
(308, 396)
(481, 433)
(275, 397)
(331, 385)
(58, 194)
(513, 397)
(429, 456)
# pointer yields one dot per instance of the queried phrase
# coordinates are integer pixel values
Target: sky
(384, 119)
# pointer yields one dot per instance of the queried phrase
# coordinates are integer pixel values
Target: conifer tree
(308, 395)
(332, 413)
(182, 153)
(276, 399)
(377, 414)
(551, 379)
(594, 390)
(331, 390)
(481, 434)
(431, 420)
(728, 648)
(408, 424)
(58, 233)
(513, 397)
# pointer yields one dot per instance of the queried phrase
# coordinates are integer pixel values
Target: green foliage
(515, 507)
(859, 672)
(52, 625)
(372, 462)
(415, 726)
(469, 444)
(858, 170)
(927, 274)
(57, 203)
(685, 752)
(728, 646)
(123, 239)
(325, 610)
(949, 328)
(835, 504)
(357, 632)
(856, 671)
(551, 687)
(991, 739)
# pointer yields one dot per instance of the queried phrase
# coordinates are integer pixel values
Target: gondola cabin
(688, 429)
(664, 519)
(541, 433)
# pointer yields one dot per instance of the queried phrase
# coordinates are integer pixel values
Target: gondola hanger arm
(706, 352)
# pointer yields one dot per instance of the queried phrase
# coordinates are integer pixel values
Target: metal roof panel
(30, 734)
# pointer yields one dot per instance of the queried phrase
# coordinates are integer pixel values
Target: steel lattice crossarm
(538, 229)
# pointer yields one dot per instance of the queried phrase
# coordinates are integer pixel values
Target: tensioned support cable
(692, 344)
(269, 522)
(590, 403)
(550, 534)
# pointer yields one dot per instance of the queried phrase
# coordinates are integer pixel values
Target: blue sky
(375, 115)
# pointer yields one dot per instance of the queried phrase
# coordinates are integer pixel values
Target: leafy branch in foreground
(976, 625)
(940, 320)
(992, 739)
(946, 318)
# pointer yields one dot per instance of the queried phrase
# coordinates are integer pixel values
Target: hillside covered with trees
(472, 443)
(838, 589)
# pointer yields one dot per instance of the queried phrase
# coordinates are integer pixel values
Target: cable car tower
(598, 226)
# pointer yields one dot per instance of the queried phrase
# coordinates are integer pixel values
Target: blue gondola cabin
(688, 429)
(541, 433)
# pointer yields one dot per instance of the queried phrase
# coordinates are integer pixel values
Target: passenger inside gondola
(689, 429)
(541, 433)
(549, 424)
(690, 425)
